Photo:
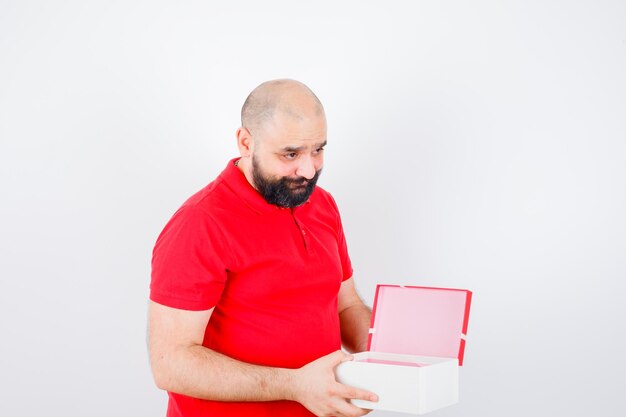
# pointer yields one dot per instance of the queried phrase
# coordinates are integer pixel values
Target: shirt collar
(237, 181)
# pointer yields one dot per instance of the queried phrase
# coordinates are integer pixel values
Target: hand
(315, 387)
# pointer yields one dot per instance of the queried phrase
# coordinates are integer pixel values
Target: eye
(291, 155)
(318, 151)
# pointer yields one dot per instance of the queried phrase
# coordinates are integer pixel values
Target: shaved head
(281, 141)
(289, 97)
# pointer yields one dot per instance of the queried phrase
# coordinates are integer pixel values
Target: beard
(283, 191)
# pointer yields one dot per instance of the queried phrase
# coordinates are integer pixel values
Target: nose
(306, 168)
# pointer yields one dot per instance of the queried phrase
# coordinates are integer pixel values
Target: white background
(472, 144)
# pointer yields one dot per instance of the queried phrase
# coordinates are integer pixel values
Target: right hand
(316, 388)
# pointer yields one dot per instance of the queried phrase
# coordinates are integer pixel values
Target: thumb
(338, 357)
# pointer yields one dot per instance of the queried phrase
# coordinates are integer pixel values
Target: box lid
(423, 321)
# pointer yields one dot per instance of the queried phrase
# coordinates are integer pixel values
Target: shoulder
(202, 212)
(198, 222)
(211, 200)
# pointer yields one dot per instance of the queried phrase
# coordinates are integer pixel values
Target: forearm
(355, 323)
(199, 372)
(181, 364)
(202, 373)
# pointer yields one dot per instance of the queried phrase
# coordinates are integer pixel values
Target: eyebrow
(301, 148)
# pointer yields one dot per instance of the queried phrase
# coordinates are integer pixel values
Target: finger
(345, 409)
(353, 393)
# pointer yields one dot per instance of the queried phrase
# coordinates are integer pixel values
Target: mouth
(298, 187)
(299, 184)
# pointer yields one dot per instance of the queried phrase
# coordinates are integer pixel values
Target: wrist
(288, 384)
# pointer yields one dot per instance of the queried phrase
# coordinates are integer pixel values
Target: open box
(415, 347)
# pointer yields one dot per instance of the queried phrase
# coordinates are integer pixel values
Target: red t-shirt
(272, 274)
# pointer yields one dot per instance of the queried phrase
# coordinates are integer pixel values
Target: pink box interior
(388, 362)
(420, 321)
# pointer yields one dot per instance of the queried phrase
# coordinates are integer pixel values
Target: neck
(244, 166)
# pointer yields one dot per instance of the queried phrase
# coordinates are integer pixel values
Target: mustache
(297, 181)
(301, 181)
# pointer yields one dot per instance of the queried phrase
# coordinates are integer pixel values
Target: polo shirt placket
(301, 230)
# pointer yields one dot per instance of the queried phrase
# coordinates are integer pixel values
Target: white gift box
(416, 344)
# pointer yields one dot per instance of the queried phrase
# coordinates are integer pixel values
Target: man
(252, 292)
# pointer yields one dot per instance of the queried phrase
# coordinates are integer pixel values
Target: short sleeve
(189, 262)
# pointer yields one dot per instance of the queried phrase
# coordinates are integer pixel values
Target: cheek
(319, 162)
(279, 169)
(268, 164)
(289, 170)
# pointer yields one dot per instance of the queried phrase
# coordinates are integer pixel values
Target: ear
(245, 143)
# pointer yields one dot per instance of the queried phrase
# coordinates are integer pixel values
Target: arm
(354, 318)
(181, 364)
